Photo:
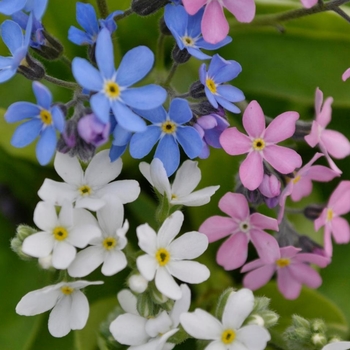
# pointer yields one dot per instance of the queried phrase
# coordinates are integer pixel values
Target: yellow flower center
(258, 144)
(228, 336)
(60, 233)
(188, 41)
(67, 290)
(168, 127)
(162, 256)
(173, 196)
(109, 243)
(85, 190)
(211, 85)
(112, 89)
(329, 214)
(283, 262)
(46, 117)
(296, 179)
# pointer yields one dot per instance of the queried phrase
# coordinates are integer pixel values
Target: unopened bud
(137, 283)
(92, 131)
(31, 68)
(46, 262)
(313, 211)
(145, 305)
(302, 128)
(222, 302)
(319, 339)
(180, 56)
(147, 7)
(23, 231)
(163, 27)
(197, 90)
(51, 49)
(156, 295)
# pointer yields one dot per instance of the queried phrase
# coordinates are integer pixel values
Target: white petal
(160, 178)
(181, 305)
(69, 169)
(115, 261)
(342, 345)
(219, 345)
(128, 301)
(81, 235)
(82, 284)
(84, 217)
(239, 305)
(65, 216)
(38, 245)
(147, 239)
(159, 324)
(147, 266)
(126, 190)
(63, 254)
(166, 284)
(170, 228)
(86, 261)
(91, 203)
(189, 271)
(145, 170)
(110, 217)
(101, 170)
(196, 198)
(79, 310)
(129, 329)
(188, 246)
(201, 325)
(253, 337)
(57, 192)
(59, 319)
(45, 216)
(186, 179)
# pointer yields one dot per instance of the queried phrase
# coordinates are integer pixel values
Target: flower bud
(147, 7)
(163, 27)
(222, 302)
(318, 326)
(46, 262)
(137, 283)
(51, 49)
(319, 339)
(23, 231)
(197, 90)
(92, 131)
(156, 295)
(302, 128)
(31, 68)
(180, 56)
(145, 305)
(313, 211)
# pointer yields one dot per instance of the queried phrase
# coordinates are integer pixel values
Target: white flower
(107, 248)
(165, 256)
(186, 180)
(228, 334)
(341, 345)
(70, 307)
(60, 233)
(148, 334)
(88, 189)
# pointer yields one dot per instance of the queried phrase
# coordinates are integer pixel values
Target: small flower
(229, 333)
(214, 24)
(292, 267)
(70, 307)
(88, 188)
(240, 227)
(112, 86)
(167, 258)
(61, 233)
(187, 32)
(260, 144)
(338, 204)
(43, 121)
(331, 142)
(181, 191)
(217, 93)
(169, 129)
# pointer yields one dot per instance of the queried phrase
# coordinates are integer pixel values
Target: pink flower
(346, 74)
(338, 204)
(292, 268)
(241, 227)
(330, 142)
(260, 144)
(301, 184)
(308, 3)
(214, 24)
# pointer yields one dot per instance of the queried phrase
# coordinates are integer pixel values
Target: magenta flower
(292, 269)
(338, 204)
(331, 142)
(241, 227)
(301, 184)
(214, 24)
(260, 144)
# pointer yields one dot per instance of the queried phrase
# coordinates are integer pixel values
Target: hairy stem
(102, 8)
(126, 13)
(59, 82)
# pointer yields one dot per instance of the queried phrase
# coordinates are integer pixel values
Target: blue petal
(46, 146)
(28, 32)
(12, 35)
(101, 106)
(86, 74)
(26, 133)
(116, 151)
(42, 94)
(121, 136)
(135, 64)
(58, 118)
(189, 139)
(207, 46)
(21, 110)
(79, 37)
(86, 17)
(216, 63)
(142, 143)
(104, 54)
(145, 97)
(6, 62)
(155, 116)
(127, 118)
(211, 98)
(194, 24)
(197, 53)
(38, 7)
(8, 7)
(168, 152)
(7, 74)
(180, 111)
(202, 73)
(228, 105)
(176, 19)
(227, 72)
(230, 93)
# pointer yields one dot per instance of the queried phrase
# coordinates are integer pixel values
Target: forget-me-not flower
(44, 120)
(86, 17)
(169, 129)
(219, 72)
(112, 86)
(186, 30)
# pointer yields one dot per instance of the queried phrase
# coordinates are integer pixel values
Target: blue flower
(112, 86)
(219, 72)
(43, 122)
(9, 7)
(186, 30)
(17, 43)
(37, 7)
(86, 17)
(169, 129)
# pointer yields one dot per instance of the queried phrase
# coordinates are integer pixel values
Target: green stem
(59, 82)
(126, 13)
(66, 61)
(160, 53)
(171, 74)
(102, 8)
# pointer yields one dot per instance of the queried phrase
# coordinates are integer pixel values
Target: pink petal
(301, 189)
(337, 145)
(234, 142)
(217, 227)
(283, 159)
(346, 74)
(310, 258)
(321, 220)
(193, 6)
(327, 239)
(340, 198)
(214, 24)
(243, 10)
(341, 230)
(318, 100)
(235, 205)
(264, 222)
(259, 277)
(325, 115)
(254, 120)
(289, 252)
(308, 3)
(251, 171)
(282, 127)
(282, 200)
(266, 246)
(314, 137)
(255, 264)
(321, 173)
(233, 252)
(305, 275)
(287, 285)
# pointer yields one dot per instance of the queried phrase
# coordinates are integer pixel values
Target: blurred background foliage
(282, 66)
